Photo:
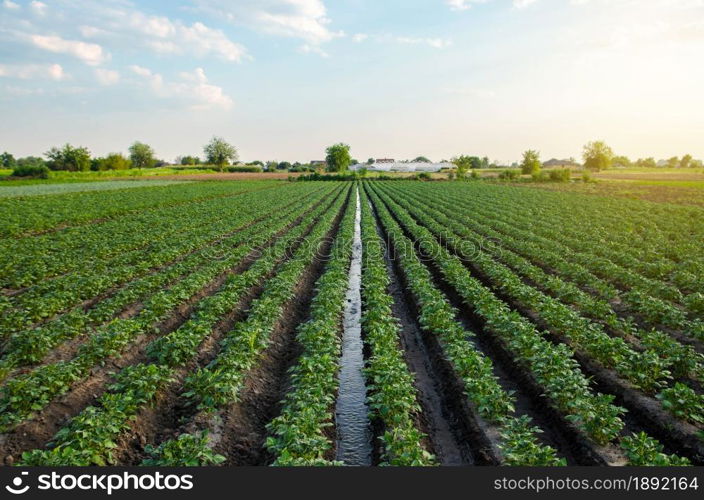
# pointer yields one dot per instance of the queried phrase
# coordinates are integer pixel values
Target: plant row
(28, 393)
(437, 317)
(218, 384)
(75, 445)
(552, 366)
(31, 346)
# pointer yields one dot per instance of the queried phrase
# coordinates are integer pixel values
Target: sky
(283, 79)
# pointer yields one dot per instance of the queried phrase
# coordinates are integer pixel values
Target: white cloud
(90, 53)
(39, 8)
(22, 91)
(9, 4)
(90, 31)
(193, 88)
(32, 71)
(467, 4)
(436, 43)
(106, 76)
(304, 19)
(307, 48)
(462, 4)
(165, 36)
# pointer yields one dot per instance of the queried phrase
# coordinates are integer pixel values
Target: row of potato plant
(31, 346)
(552, 365)
(76, 445)
(186, 234)
(391, 394)
(437, 317)
(683, 359)
(215, 386)
(299, 435)
(28, 393)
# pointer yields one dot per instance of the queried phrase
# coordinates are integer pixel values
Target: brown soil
(436, 417)
(469, 440)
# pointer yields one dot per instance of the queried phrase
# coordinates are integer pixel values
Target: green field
(201, 323)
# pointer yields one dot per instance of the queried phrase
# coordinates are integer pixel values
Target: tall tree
(338, 157)
(646, 163)
(69, 158)
(622, 162)
(142, 155)
(597, 156)
(531, 162)
(464, 164)
(7, 160)
(220, 153)
(673, 162)
(421, 159)
(686, 161)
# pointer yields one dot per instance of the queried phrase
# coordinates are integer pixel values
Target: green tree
(673, 162)
(531, 163)
(422, 159)
(7, 160)
(284, 165)
(338, 157)
(220, 153)
(116, 161)
(31, 161)
(646, 163)
(142, 155)
(686, 161)
(69, 158)
(597, 156)
(190, 160)
(370, 161)
(622, 162)
(464, 164)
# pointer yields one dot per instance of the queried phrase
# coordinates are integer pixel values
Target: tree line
(218, 153)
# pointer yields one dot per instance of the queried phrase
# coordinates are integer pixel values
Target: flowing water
(354, 437)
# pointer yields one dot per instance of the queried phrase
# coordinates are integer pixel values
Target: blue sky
(282, 79)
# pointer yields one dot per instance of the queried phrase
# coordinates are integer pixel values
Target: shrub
(539, 176)
(36, 171)
(560, 175)
(244, 168)
(509, 175)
